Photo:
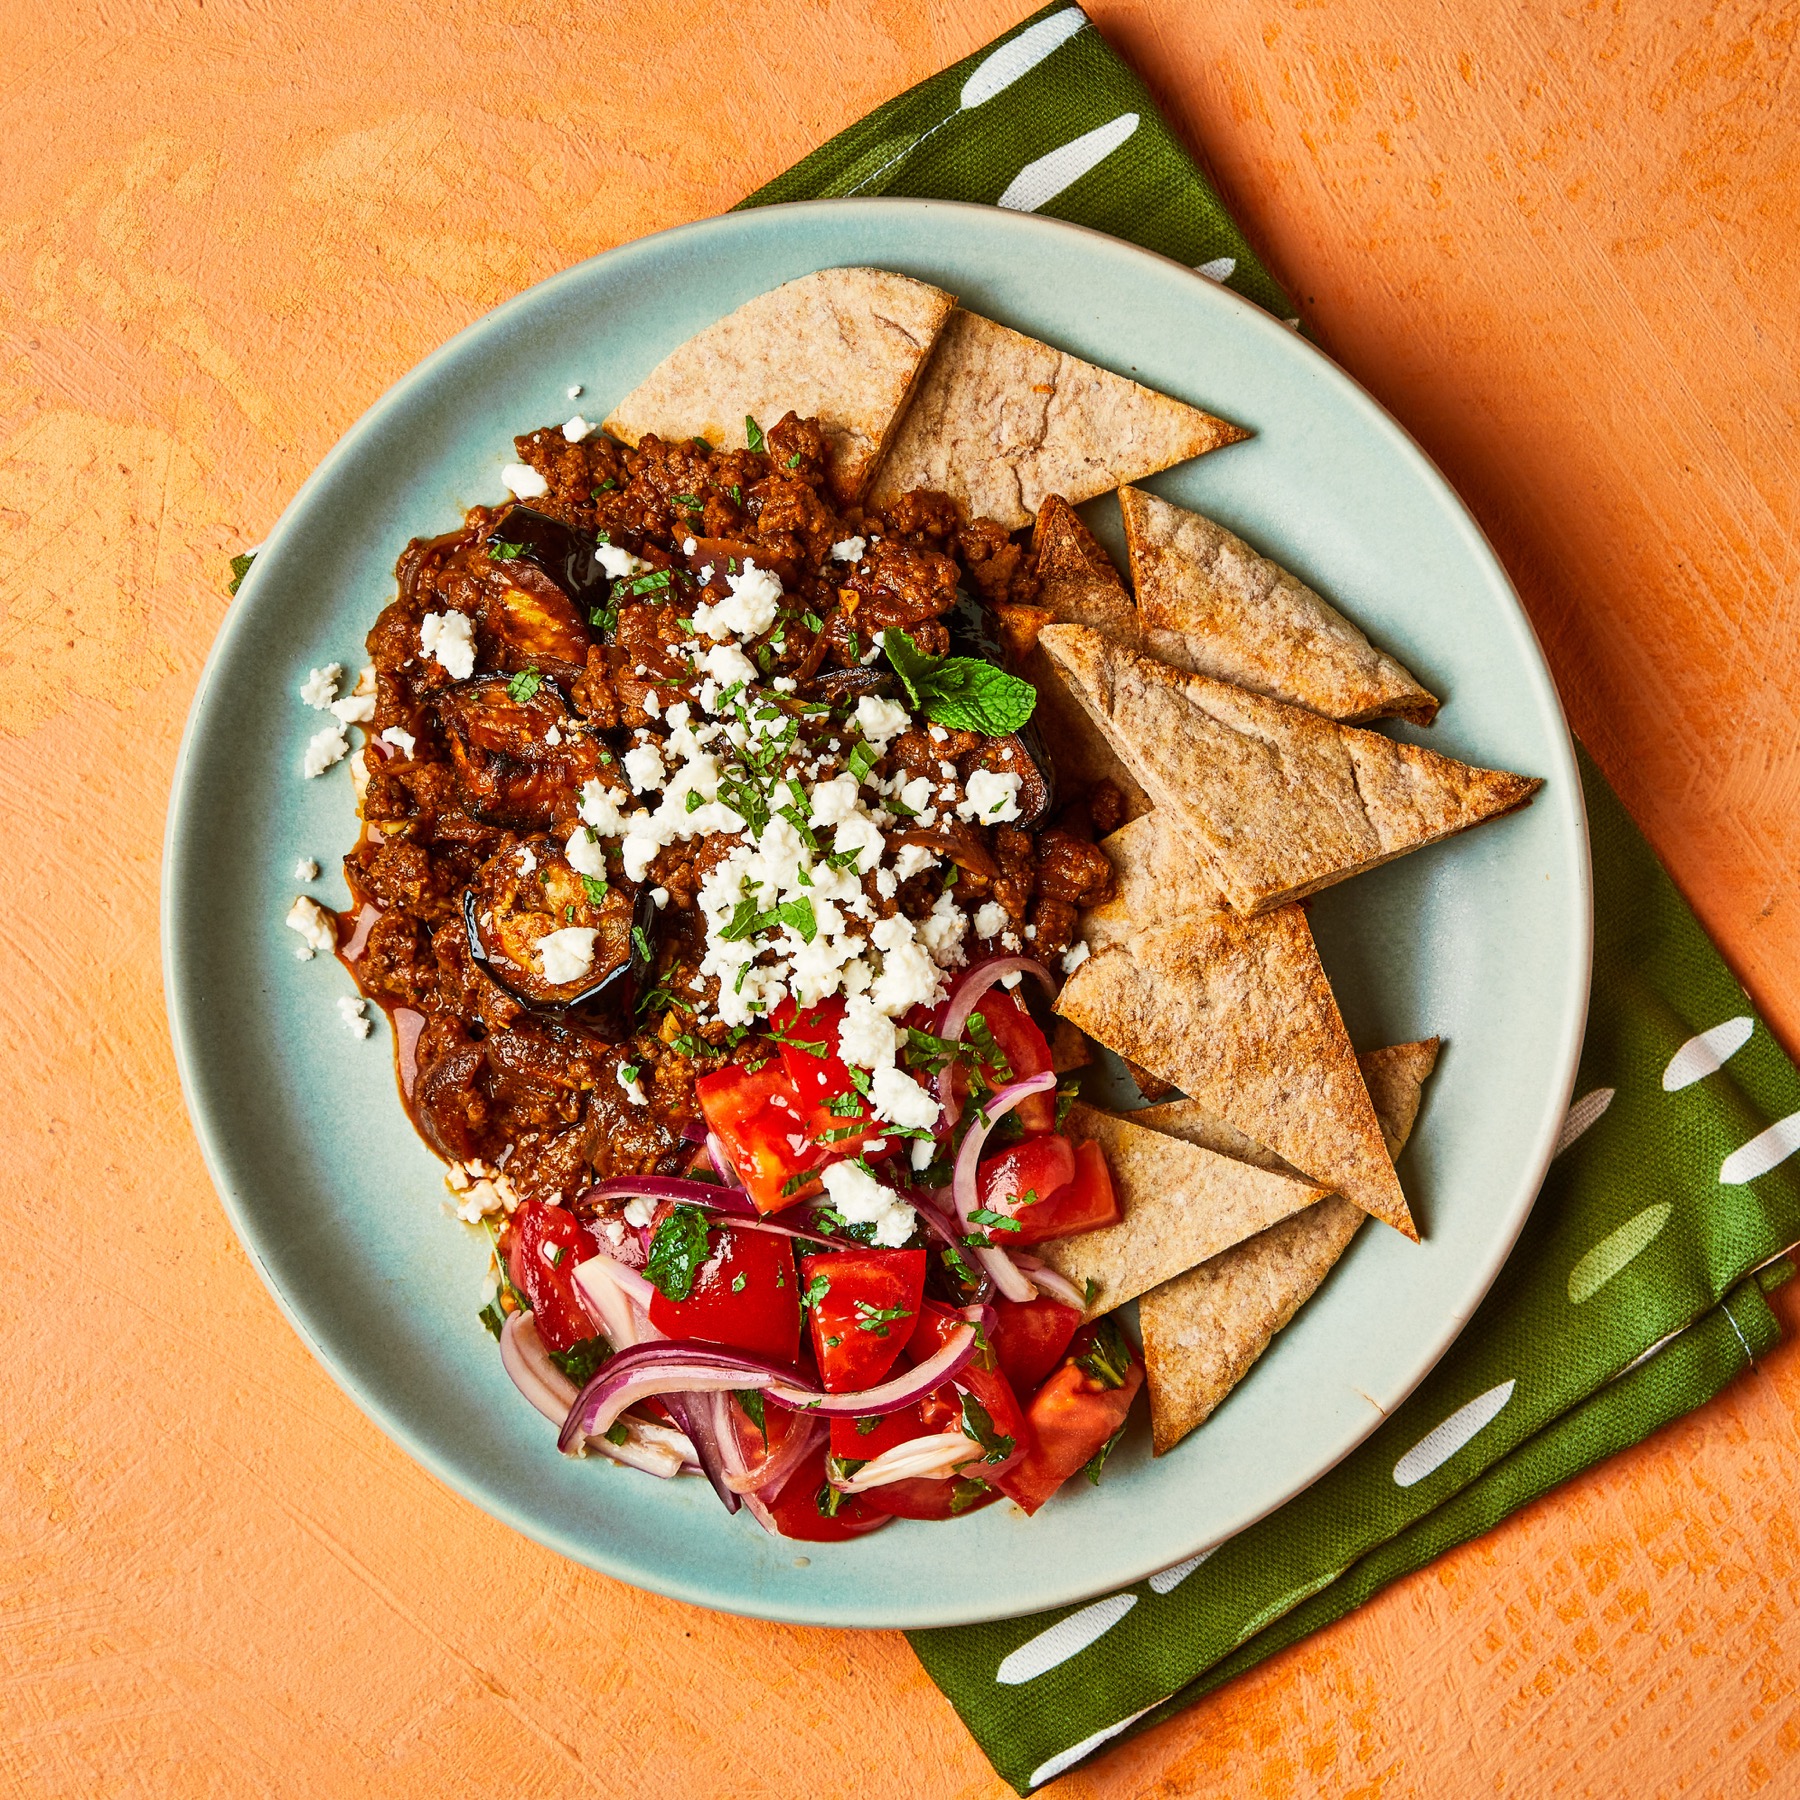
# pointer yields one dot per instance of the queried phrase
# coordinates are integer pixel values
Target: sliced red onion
(694, 1131)
(1049, 1281)
(703, 1417)
(619, 1298)
(655, 1449)
(964, 998)
(367, 916)
(919, 1459)
(675, 1188)
(739, 1223)
(646, 1371)
(1007, 1277)
(409, 1027)
(715, 1148)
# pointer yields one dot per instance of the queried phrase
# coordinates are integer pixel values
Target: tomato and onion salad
(825, 1379)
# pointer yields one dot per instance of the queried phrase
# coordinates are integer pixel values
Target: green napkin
(1636, 1290)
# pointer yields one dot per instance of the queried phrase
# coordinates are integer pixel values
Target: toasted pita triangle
(1203, 1330)
(844, 346)
(1183, 1203)
(1078, 585)
(1237, 1013)
(1282, 801)
(1210, 604)
(1000, 422)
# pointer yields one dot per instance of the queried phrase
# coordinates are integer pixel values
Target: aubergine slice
(519, 762)
(528, 894)
(1026, 755)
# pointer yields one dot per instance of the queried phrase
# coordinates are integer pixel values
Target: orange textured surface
(1556, 239)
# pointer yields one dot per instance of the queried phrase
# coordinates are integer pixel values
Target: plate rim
(183, 821)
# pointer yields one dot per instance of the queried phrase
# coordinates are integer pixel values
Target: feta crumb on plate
(320, 688)
(354, 1013)
(355, 709)
(315, 925)
(524, 482)
(306, 869)
(323, 749)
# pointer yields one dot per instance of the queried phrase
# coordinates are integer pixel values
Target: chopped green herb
(1091, 1288)
(524, 684)
(502, 551)
(816, 1290)
(865, 1426)
(618, 1432)
(1109, 1358)
(962, 692)
(812, 621)
(994, 1221)
(1068, 1091)
(860, 760)
(493, 1316)
(648, 584)
(793, 462)
(582, 1361)
(685, 500)
(794, 1184)
(845, 1105)
(1091, 1469)
(641, 945)
(682, 1243)
(737, 495)
(878, 1318)
(629, 1072)
(811, 1046)
(595, 888)
(978, 1423)
(965, 1491)
(828, 1500)
(751, 1400)
(753, 433)
(737, 1283)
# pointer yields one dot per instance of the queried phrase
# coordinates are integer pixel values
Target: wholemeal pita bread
(1078, 585)
(844, 346)
(1001, 421)
(1182, 1202)
(1282, 801)
(1210, 604)
(1160, 879)
(1237, 1013)
(1204, 1329)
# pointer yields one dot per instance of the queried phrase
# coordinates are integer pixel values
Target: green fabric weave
(1636, 1290)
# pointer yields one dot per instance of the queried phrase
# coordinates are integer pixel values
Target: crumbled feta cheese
(306, 869)
(480, 1189)
(866, 1036)
(450, 640)
(566, 955)
(747, 610)
(365, 680)
(575, 392)
(354, 1014)
(320, 688)
(553, 735)
(317, 928)
(913, 859)
(942, 932)
(915, 795)
(576, 429)
(992, 798)
(628, 1079)
(583, 852)
(403, 741)
(923, 1150)
(524, 481)
(323, 749)
(860, 834)
(599, 807)
(938, 734)
(644, 768)
(835, 800)
(677, 716)
(356, 709)
(991, 919)
(639, 1211)
(637, 853)
(728, 666)
(887, 883)
(527, 859)
(616, 562)
(899, 1098)
(859, 1199)
(849, 549)
(881, 720)
(659, 897)
(1076, 954)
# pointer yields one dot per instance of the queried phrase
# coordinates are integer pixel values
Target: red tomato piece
(545, 1244)
(983, 1382)
(1026, 1051)
(1030, 1337)
(840, 1120)
(862, 1319)
(1086, 1204)
(1072, 1415)
(759, 1119)
(796, 1509)
(1020, 1184)
(746, 1296)
(923, 1498)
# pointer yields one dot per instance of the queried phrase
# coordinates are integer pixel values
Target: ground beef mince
(527, 673)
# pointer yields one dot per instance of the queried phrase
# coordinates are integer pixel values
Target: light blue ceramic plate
(1483, 940)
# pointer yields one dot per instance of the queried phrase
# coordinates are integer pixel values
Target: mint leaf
(978, 1423)
(524, 684)
(753, 433)
(751, 1400)
(1095, 1463)
(681, 1245)
(960, 692)
(582, 1361)
(1109, 1356)
(965, 1492)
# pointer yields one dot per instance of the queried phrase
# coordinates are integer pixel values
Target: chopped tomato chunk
(758, 1117)
(864, 1306)
(746, 1295)
(997, 1422)
(1030, 1337)
(1076, 1412)
(1019, 1049)
(797, 1512)
(1020, 1183)
(1086, 1204)
(841, 1121)
(544, 1246)
(924, 1498)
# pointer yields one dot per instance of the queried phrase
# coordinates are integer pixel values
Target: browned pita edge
(1182, 1203)
(1001, 421)
(844, 346)
(1077, 585)
(1203, 1330)
(1283, 801)
(1211, 605)
(1237, 1013)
